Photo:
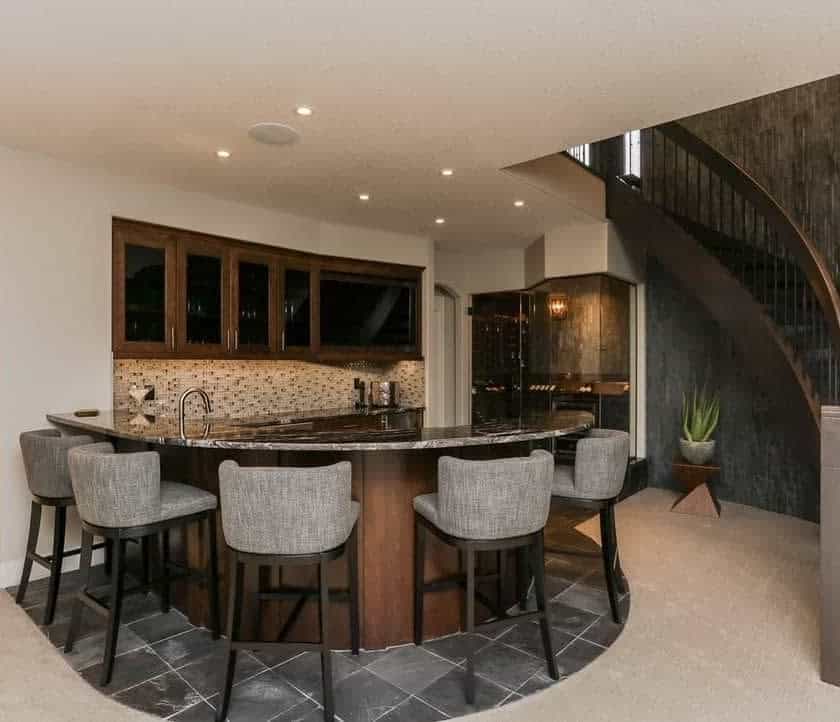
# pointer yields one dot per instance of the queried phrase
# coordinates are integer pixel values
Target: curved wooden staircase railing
(724, 236)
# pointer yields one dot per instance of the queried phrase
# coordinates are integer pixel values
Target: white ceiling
(400, 90)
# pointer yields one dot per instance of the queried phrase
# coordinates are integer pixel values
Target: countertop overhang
(294, 430)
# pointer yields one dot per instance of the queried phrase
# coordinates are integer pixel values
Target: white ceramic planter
(697, 452)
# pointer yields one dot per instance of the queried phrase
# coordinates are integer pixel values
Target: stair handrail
(809, 258)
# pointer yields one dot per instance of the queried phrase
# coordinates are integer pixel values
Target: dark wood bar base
(385, 483)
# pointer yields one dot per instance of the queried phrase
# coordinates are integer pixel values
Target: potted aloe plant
(700, 419)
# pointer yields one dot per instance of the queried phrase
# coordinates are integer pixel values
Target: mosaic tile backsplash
(254, 388)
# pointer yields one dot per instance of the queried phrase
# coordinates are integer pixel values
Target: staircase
(727, 240)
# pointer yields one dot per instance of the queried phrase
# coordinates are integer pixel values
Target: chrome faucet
(208, 407)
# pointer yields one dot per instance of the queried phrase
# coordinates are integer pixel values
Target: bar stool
(45, 461)
(486, 506)
(595, 482)
(288, 517)
(121, 497)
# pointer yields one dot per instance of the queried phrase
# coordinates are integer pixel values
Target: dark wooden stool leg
(164, 571)
(419, 578)
(213, 575)
(523, 578)
(263, 585)
(31, 547)
(146, 556)
(469, 560)
(326, 654)
(623, 586)
(500, 570)
(609, 560)
(539, 589)
(117, 581)
(78, 606)
(353, 583)
(56, 563)
(109, 556)
(236, 572)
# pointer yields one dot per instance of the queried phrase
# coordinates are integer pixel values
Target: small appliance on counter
(360, 399)
(384, 393)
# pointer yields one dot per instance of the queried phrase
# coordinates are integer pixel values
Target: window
(633, 153)
(580, 153)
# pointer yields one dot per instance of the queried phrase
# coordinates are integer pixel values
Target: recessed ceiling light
(447, 171)
(519, 204)
(440, 221)
(364, 196)
(303, 110)
(222, 153)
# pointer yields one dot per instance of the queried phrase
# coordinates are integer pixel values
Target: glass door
(143, 289)
(297, 284)
(254, 312)
(204, 303)
(499, 339)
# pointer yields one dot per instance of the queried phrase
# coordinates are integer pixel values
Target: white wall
(55, 293)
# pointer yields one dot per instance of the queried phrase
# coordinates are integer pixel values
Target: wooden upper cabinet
(204, 296)
(183, 294)
(144, 289)
(255, 309)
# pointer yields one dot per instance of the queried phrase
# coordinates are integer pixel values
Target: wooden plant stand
(699, 499)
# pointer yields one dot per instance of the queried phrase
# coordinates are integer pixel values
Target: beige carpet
(723, 627)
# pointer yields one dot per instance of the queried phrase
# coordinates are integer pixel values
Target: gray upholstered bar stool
(47, 473)
(121, 497)
(288, 517)
(486, 506)
(595, 482)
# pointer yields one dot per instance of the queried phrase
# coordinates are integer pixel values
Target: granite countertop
(389, 429)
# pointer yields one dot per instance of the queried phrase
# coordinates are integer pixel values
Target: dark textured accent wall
(760, 466)
(790, 143)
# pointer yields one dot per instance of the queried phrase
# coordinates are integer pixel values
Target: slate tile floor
(169, 668)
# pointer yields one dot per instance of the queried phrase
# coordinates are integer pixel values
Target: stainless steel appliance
(384, 393)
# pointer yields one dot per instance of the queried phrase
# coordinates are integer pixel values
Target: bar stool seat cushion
(178, 500)
(600, 467)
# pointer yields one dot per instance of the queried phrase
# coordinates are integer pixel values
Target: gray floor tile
(207, 673)
(526, 636)
(88, 651)
(162, 696)
(365, 657)
(576, 656)
(160, 626)
(569, 619)
(201, 712)
(447, 694)
(306, 711)
(188, 647)
(537, 683)
(261, 698)
(410, 668)
(571, 566)
(512, 697)
(364, 697)
(456, 647)
(583, 596)
(413, 710)
(505, 665)
(139, 606)
(604, 632)
(273, 657)
(129, 669)
(304, 672)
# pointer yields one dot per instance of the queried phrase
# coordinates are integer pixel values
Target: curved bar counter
(394, 459)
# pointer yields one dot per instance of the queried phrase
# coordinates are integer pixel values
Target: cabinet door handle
(172, 337)
(236, 340)
(283, 340)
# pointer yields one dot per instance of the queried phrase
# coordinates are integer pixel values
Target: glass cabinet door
(204, 297)
(254, 314)
(144, 288)
(297, 309)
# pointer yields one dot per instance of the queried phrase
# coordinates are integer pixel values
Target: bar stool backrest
(285, 510)
(115, 490)
(601, 463)
(495, 499)
(45, 461)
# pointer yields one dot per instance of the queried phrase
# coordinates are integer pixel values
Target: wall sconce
(558, 306)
